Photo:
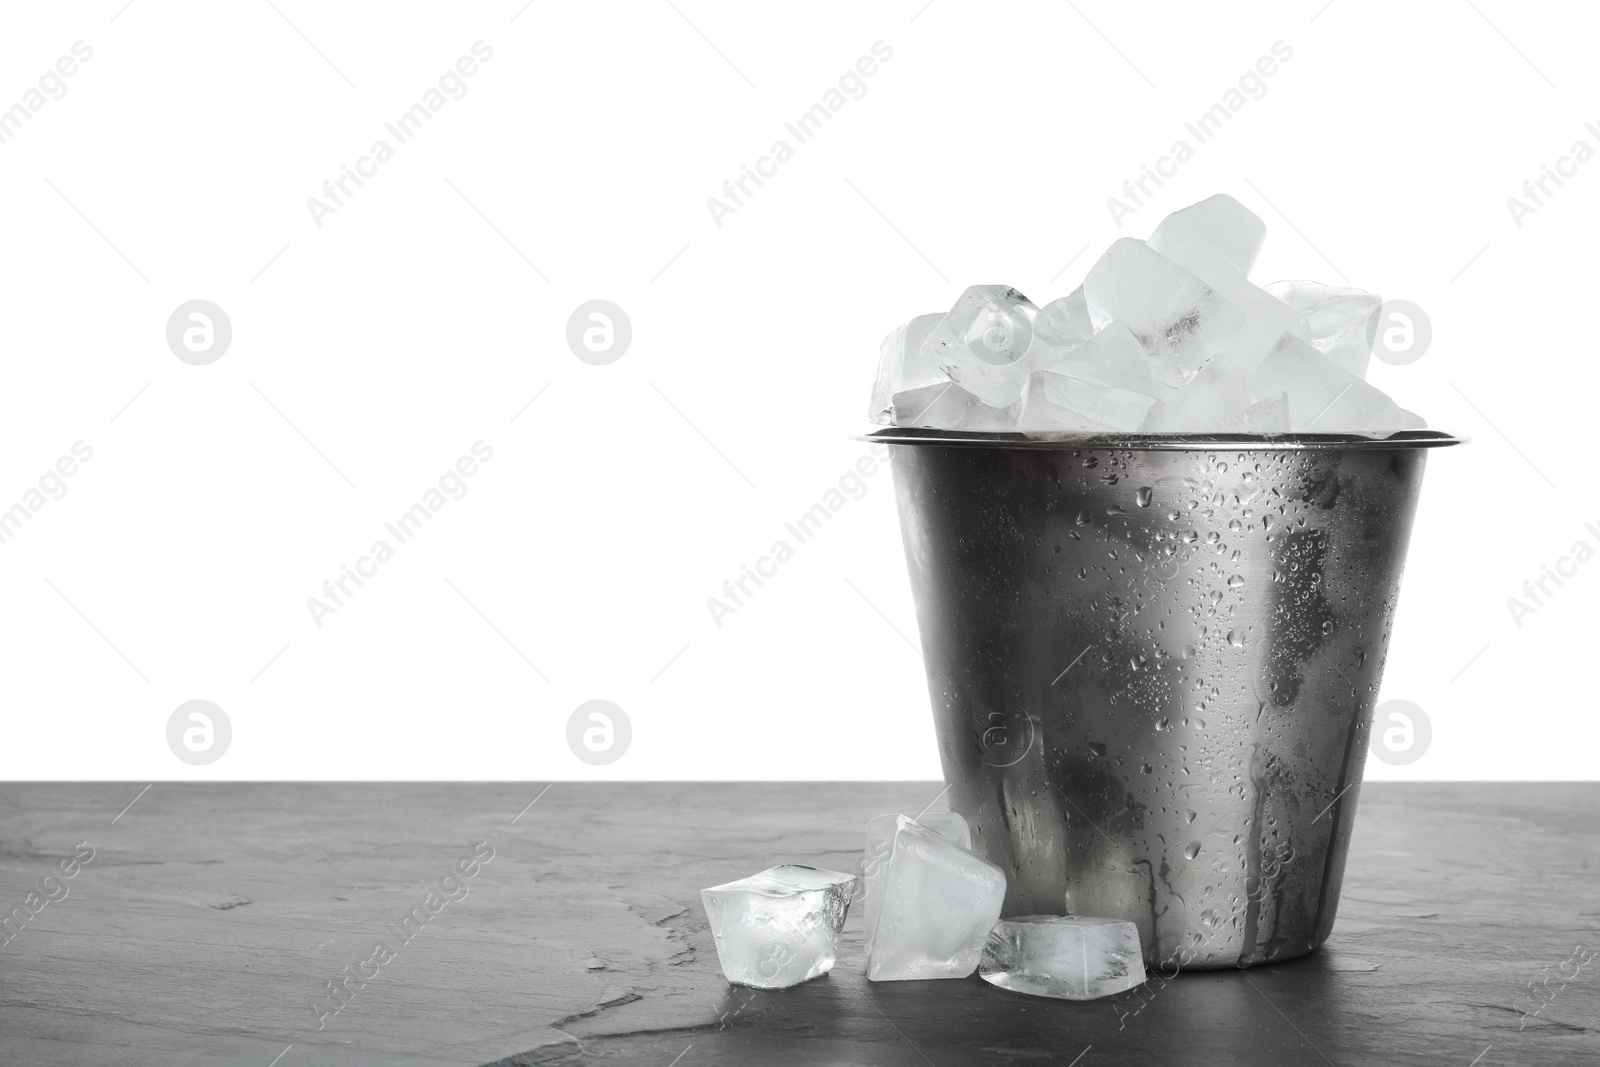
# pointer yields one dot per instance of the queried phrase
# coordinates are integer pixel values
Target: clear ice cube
(1266, 318)
(1067, 958)
(1180, 320)
(949, 407)
(780, 927)
(987, 344)
(880, 844)
(1343, 321)
(1323, 397)
(1214, 395)
(1111, 357)
(1058, 403)
(939, 903)
(1221, 222)
(1065, 322)
(903, 365)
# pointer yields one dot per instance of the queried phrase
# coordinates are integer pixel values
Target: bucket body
(1153, 666)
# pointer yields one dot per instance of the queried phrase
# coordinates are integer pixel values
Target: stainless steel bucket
(1153, 664)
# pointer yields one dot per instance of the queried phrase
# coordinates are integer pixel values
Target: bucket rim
(1163, 442)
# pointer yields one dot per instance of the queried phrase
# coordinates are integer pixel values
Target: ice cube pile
(932, 911)
(1163, 336)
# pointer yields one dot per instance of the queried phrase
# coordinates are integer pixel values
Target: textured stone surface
(206, 925)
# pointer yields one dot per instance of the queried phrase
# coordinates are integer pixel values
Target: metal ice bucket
(1153, 664)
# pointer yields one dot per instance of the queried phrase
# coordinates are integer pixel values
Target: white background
(415, 322)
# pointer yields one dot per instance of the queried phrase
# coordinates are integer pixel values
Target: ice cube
(902, 365)
(1219, 392)
(1057, 403)
(987, 344)
(1265, 416)
(1410, 420)
(1220, 221)
(1180, 320)
(1065, 321)
(780, 927)
(939, 903)
(880, 844)
(1323, 397)
(1068, 958)
(1111, 357)
(1266, 318)
(1343, 321)
(949, 407)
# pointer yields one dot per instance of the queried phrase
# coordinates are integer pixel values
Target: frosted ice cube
(939, 903)
(1057, 403)
(780, 927)
(1068, 958)
(1219, 392)
(1111, 357)
(1180, 320)
(1323, 396)
(987, 344)
(880, 844)
(1065, 321)
(1410, 420)
(949, 407)
(1343, 321)
(1265, 416)
(902, 365)
(1220, 221)
(1266, 318)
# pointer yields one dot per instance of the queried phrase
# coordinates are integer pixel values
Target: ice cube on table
(939, 903)
(1343, 321)
(987, 344)
(903, 365)
(780, 927)
(1057, 403)
(1217, 393)
(1065, 321)
(1075, 958)
(1221, 222)
(1180, 320)
(880, 845)
(949, 407)
(1264, 416)
(1323, 397)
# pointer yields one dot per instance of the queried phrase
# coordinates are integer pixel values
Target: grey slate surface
(211, 918)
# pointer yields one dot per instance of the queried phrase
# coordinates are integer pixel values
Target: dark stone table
(212, 920)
